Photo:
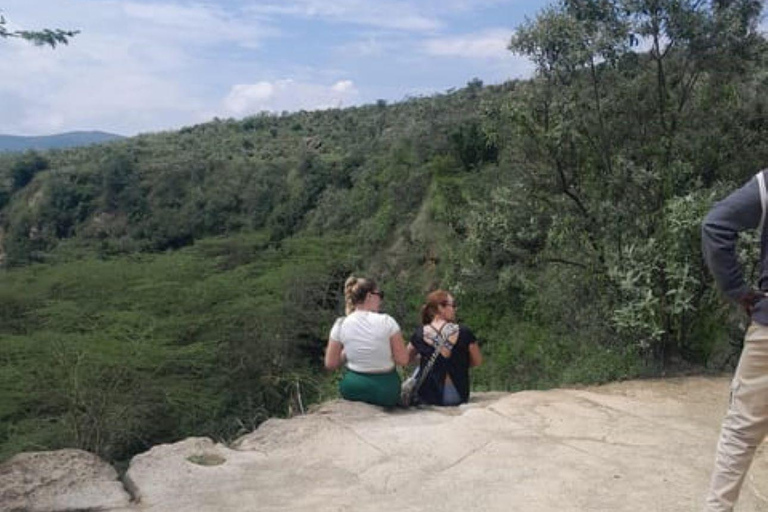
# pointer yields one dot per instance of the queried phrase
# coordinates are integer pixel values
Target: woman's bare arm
(475, 357)
(400, 354)
(333, 355)
(413, 354)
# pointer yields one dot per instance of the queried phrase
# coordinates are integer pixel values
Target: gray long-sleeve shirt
(740, 211)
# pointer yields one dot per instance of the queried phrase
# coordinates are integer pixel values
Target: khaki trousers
(746, 423)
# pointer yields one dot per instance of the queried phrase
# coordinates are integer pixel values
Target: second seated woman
(448, 381)
(369, 343)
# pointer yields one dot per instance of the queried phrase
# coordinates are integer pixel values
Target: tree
(47, 36)
(607, 134)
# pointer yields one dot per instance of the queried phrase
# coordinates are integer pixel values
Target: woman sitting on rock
(448, 381)
(369, 343)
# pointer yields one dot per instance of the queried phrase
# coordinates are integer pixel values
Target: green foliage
(117, 355)
(526, 356)
(121, 186)
(472, 146)
(524, 353)
(25, 169)
(646, 313)
(610, 144)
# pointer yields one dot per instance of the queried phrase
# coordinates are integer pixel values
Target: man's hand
(749, 299)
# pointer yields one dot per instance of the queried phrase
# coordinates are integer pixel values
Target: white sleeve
(336, 330)
(390, 324)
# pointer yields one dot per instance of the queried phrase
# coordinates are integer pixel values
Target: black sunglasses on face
(379, 293)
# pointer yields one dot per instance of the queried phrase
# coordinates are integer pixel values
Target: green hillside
(184, 282)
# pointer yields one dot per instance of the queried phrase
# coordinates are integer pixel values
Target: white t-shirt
(365, 337)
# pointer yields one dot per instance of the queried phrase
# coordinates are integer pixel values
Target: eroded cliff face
(640, 445)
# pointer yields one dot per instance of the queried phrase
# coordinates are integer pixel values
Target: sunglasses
(379, 293)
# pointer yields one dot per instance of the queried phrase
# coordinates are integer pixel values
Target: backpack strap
(763, 200)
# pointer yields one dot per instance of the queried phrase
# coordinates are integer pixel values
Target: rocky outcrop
(625, 447)
(176, 476)
(64, 480)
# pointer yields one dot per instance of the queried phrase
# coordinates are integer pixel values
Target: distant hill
(61, 140)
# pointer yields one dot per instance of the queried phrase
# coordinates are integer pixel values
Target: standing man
(746, 422)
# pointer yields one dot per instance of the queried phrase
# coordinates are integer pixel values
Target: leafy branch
(47, 36)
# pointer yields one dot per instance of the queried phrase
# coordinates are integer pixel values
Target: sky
(143, 66)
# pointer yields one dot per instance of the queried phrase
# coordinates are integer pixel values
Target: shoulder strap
(449, 329)
(763, 200)
(438, 344)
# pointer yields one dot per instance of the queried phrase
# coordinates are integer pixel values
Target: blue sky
(148, 65)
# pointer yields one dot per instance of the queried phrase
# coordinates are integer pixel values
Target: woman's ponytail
(350, 286)
(356, 289)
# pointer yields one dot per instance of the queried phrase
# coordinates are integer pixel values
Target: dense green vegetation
(115, 355)
(184, 282)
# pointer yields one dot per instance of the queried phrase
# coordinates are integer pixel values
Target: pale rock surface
(64, 480)
(625, 447)
(631, 446)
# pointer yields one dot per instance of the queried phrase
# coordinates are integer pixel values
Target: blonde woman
(369, 344)
(448, 381)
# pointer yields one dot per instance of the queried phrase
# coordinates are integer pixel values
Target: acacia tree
(46, 36)
(607, 131)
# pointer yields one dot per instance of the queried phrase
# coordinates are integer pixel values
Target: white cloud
(491, 44)
(289, 95)
(376, 43)
(199, 24)
(343, 86)
(421, 15)
(243, 96)
(378, 13)
(134, 67)
(120, 96)
(461, 6)
(371, 46)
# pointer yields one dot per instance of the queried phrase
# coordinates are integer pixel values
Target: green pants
(373, 388)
